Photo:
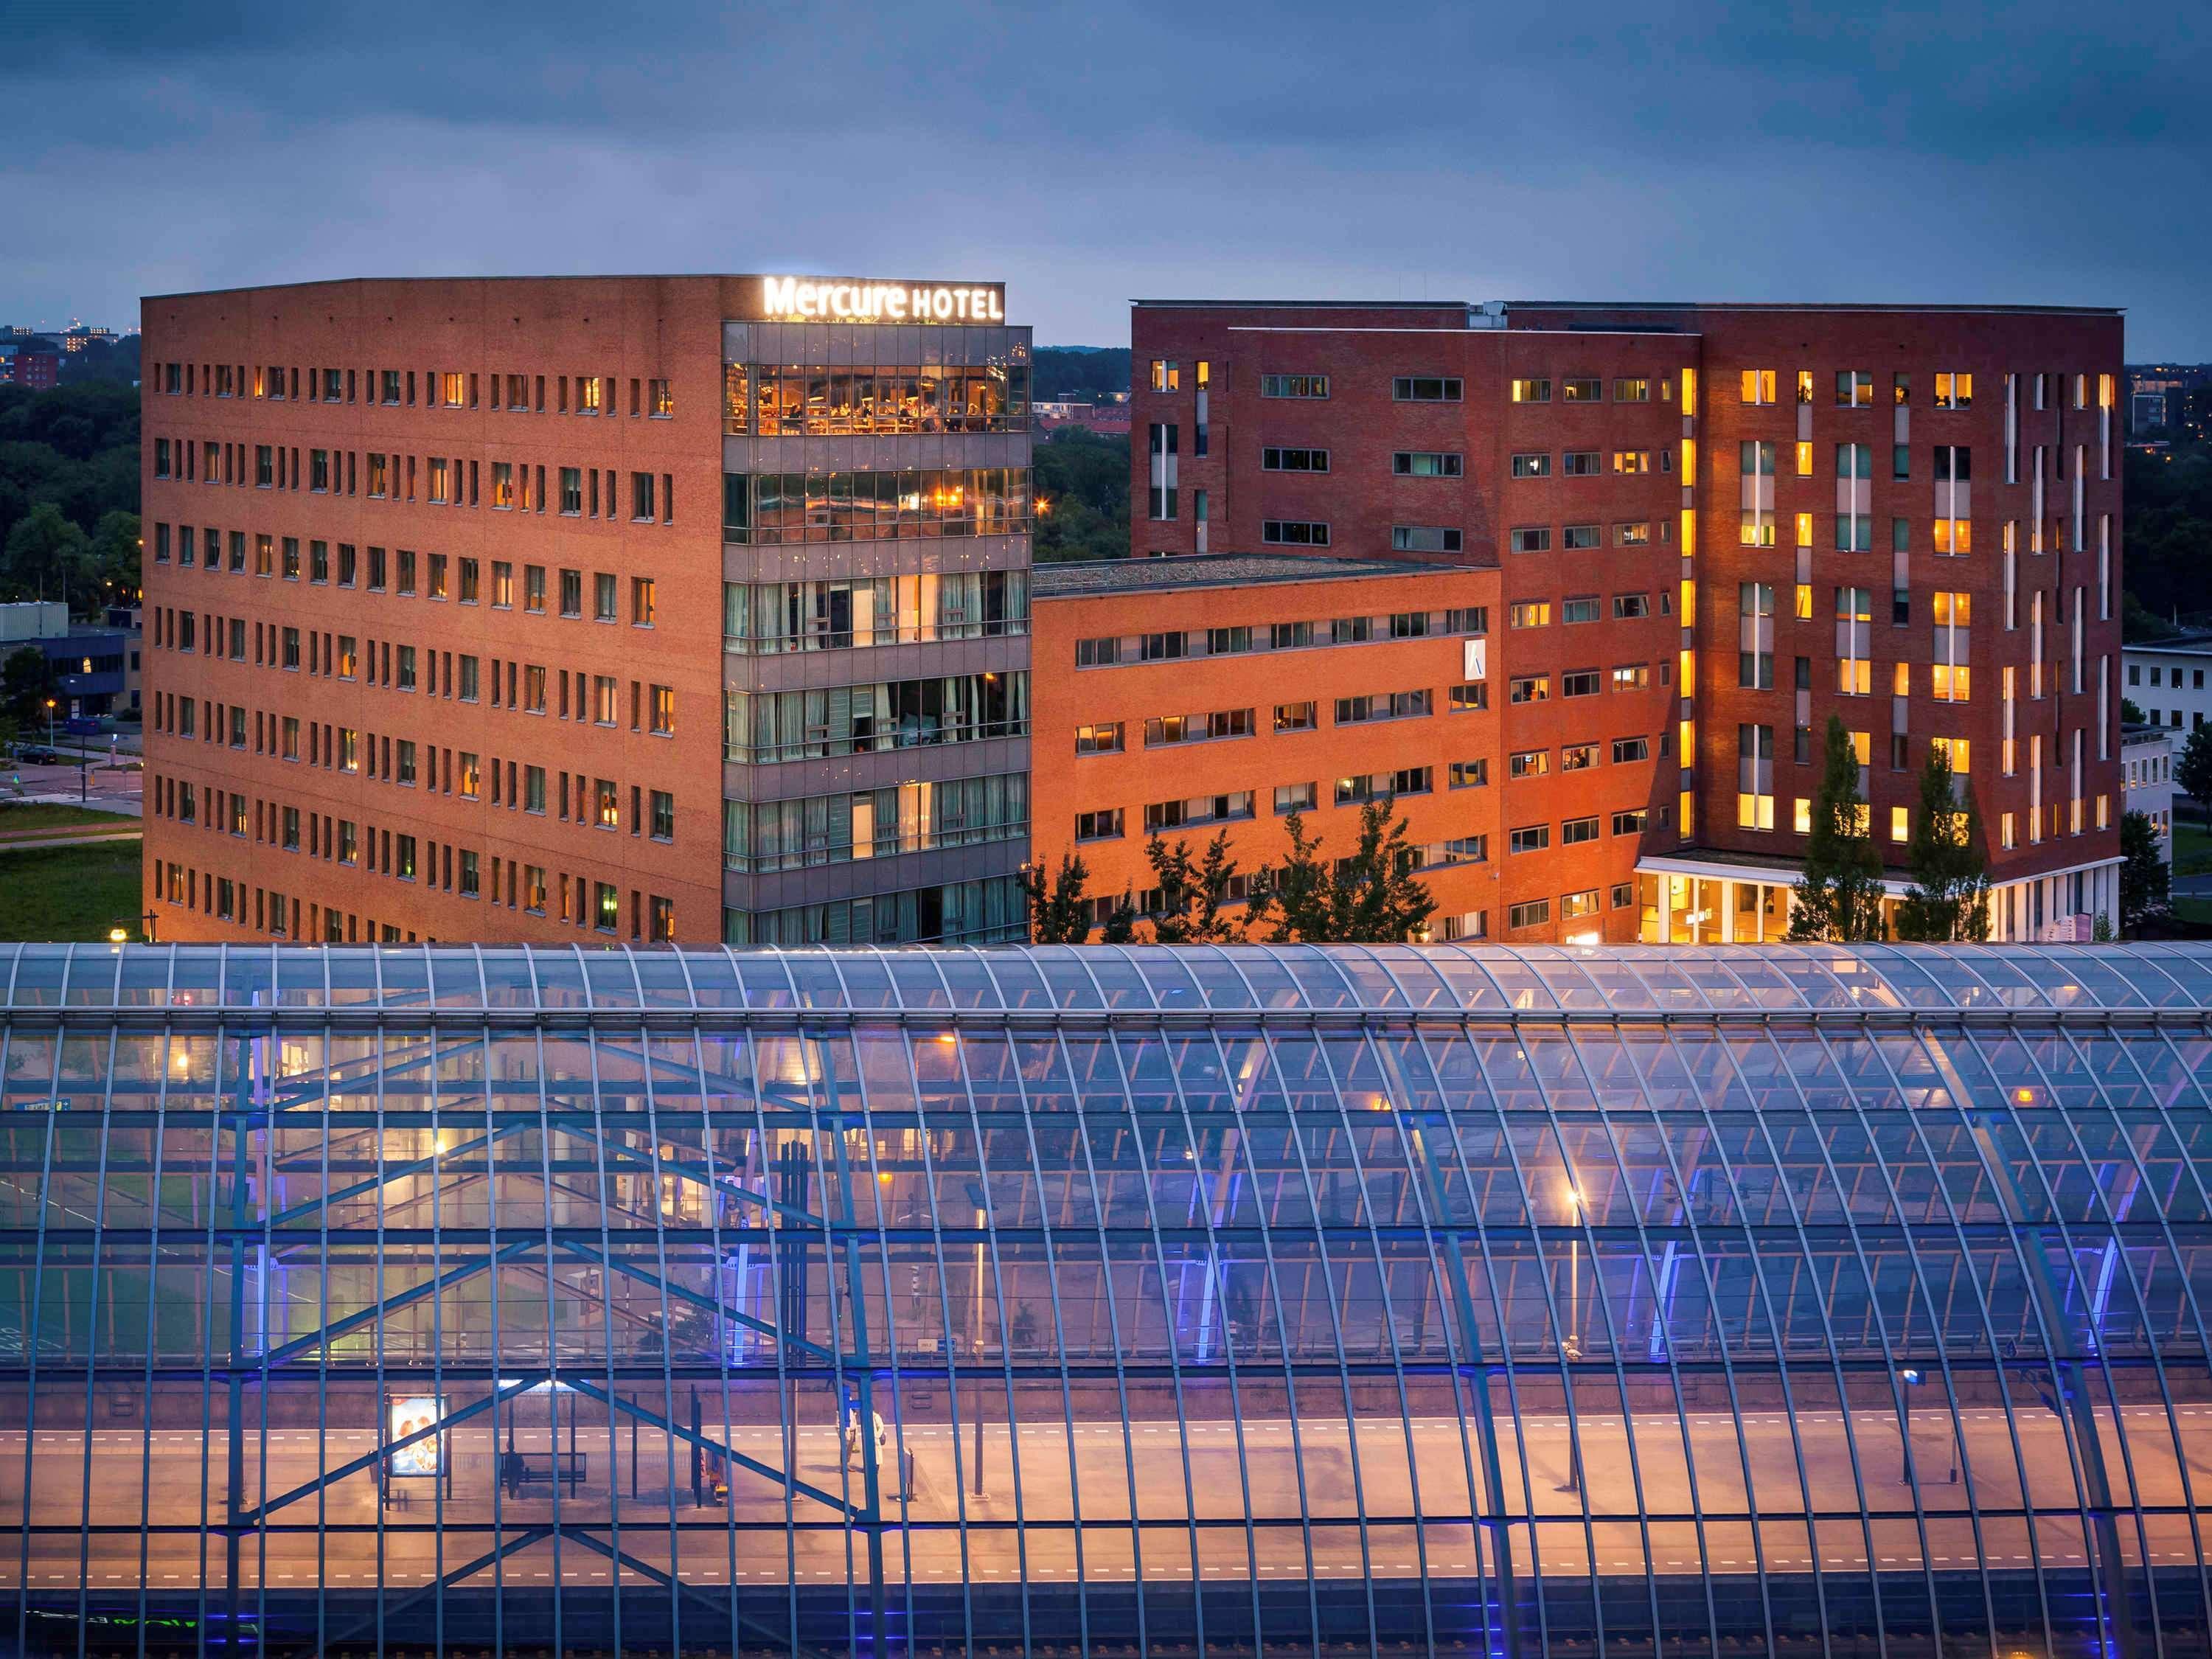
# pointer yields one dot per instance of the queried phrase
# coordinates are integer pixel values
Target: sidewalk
(81, 835)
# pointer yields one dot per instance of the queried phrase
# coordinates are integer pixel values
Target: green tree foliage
(75, 450)
(1059, 914)
(1193, 891)
(2130, 714)
(1082, 481)
(1370, 898)
(1120, 927)
(113, 361)
(1949, 899)
(2145, 880)
(2169, 495)
(1839, 895)
(2192, 769)
(26, 680)
(46, 557)
(112, 561)
(1058, 374)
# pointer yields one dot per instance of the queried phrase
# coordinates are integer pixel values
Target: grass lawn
(69, 892)
(26, 815)
(2192, 848)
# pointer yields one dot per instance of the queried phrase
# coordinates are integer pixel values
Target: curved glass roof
(1592, 1304)
(1533, 979)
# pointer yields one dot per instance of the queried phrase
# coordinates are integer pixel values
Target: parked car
(37, 754)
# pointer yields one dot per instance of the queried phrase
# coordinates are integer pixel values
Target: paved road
(1173, 1484)
(112, 789)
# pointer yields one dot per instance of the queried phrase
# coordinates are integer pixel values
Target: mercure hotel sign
(801, 299)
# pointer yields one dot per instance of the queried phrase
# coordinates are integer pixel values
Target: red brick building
(1777, 511)
(35, 364)
(1184, 697)
(629, 608)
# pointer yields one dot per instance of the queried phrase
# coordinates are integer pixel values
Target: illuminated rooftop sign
(807, 300)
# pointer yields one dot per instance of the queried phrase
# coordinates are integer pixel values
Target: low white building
(2171, 681)
(2146, 763)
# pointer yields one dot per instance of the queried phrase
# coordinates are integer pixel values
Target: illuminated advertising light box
(410, 1414)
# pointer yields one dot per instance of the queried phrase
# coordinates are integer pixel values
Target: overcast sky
(2057, 153)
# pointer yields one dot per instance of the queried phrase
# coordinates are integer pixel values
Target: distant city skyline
(1976, 155)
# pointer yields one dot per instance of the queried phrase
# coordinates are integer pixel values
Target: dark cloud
(2018, 153)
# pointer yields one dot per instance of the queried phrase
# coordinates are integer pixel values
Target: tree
(1121, 926)
(45, 557)
(2130, 713)
(1840, 896)
(26, 680)
(1059, 912)
(1193, 891)
(112, 561)
(1376, 898)
(2193, 771)
(1949, 898)
(1082, 485)
(1370, 898)
(1296, 892)
(2145, 878)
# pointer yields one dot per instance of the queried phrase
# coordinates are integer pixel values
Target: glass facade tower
(876, 522)
(1284, 1300)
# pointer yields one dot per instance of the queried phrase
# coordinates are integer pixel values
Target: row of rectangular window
(597, 906)
(1573, 832)
(652, 707)
(847, 613)
(825, 722)
(1585, 682)
(443, 480)
(595, 394)
(2197, 682)
(1109, 824)
(444, 577)
(1585, 608)
(1403, 538)
(1590, 389)
(1590, 463)
(457, 772)
(1537, 913)
(1302, 635)
(1854, 533)
(1575, 758)
(1404, 388)
(1855, 388)
(1420, 388)
(1170, 731)
(985, 911)
(762, 838)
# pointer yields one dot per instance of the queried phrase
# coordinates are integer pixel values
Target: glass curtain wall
(1266, 1299)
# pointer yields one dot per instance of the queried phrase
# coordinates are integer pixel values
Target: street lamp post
(976, 1337)
(1571, 1349)
(50, 722)
(1911, 1379)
